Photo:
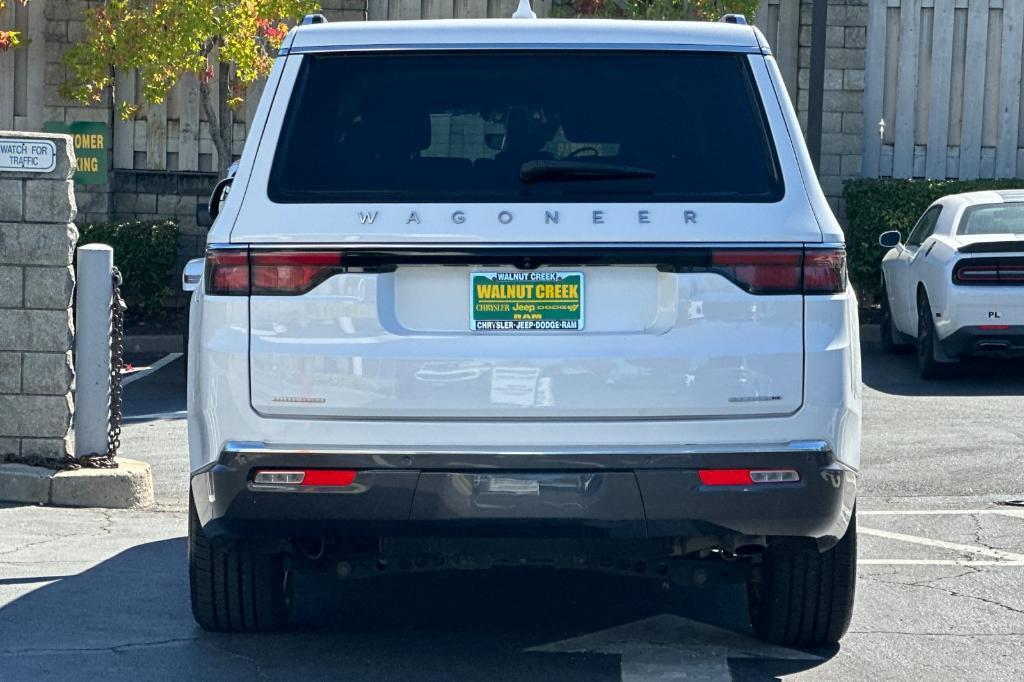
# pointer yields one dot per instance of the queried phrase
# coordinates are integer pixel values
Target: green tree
(9, 39)
(227, 44)
(669, 10)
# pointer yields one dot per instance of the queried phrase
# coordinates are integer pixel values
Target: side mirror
(890, 239)
(220, 193)
(192, 275)
(203, 217)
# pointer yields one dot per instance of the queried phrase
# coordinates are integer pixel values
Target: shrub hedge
(145, 252)
(875, 206)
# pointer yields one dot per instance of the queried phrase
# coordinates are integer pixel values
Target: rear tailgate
(674, 337)
(685, 241)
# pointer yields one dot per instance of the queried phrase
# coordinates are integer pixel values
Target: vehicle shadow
(130, 614)
(897, 374)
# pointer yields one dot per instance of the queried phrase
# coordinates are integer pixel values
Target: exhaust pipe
(992, 346)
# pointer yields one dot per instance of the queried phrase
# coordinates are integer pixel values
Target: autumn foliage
(226, 44)
(9, 39)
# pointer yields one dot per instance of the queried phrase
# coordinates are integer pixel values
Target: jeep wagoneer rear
(516, 292)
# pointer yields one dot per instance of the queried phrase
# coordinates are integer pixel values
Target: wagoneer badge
(504, 217)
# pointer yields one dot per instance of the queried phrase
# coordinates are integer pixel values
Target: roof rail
(311, 19)
(734, 19)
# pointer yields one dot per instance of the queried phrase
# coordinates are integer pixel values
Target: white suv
(519, 292)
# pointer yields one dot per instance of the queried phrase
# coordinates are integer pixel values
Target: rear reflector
(725, 477)
(747, 476)
(994, 327)
(305, 477)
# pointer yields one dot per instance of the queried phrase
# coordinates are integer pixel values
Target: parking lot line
(1009, 511)
(938, 562)
(154, 416)
(968, 549)
(135, 376)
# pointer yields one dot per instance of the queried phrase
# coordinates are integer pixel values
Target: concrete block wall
(65, 25)
(842, 124)
(37, 242)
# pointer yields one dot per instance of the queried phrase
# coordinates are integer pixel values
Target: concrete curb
(129, 486)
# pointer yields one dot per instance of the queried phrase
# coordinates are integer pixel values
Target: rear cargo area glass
(674, 126)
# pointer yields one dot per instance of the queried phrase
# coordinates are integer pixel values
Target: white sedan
(956, 286)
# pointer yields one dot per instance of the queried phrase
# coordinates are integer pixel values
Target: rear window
(993, 219)
(502, 126)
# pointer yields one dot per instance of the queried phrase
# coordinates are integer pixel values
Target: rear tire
(927, 365)
(805, 597)
(888, 342)
(234, 591)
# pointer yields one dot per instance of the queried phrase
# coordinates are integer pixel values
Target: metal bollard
(92, 348)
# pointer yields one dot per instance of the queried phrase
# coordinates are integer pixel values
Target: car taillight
(783, 271)
(760, 271)
(989, 271)
(237, 272)
(227, 272)
(276, 273)
(824, 271)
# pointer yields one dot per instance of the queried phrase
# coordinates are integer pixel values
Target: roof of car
(334, 36)
(999, 196)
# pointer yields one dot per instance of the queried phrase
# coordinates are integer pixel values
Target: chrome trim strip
(443, 246)
(446, 47)
(792, 447)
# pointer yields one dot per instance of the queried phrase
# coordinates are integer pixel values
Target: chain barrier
(96, 460)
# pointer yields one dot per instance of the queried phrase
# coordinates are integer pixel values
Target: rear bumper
(652, 493)
(977, 340)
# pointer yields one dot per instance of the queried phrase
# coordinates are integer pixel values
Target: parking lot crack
(114, 649)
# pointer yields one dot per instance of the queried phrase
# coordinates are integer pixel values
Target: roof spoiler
(993, 247)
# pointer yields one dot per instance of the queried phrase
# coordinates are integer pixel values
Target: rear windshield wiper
(554, 171)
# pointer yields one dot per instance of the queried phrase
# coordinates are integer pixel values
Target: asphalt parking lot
(87, 594)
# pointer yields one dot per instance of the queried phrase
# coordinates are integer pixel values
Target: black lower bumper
(525, 495)
(985, 341)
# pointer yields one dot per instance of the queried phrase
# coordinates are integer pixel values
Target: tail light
(824, 271)
(227, 272)
(282, 273)
(783, 271)
(234, 272)
(989, 271)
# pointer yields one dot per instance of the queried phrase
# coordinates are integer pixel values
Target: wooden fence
(779, 20)
(943, 89)
(21, 106)
(448, 9)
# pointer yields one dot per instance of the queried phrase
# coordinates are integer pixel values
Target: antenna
(524, 11)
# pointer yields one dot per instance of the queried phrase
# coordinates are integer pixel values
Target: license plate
(525, 301)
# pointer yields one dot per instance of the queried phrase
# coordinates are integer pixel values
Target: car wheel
(888, 342)
(805, 597)
(234, 591)
(927, 366)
